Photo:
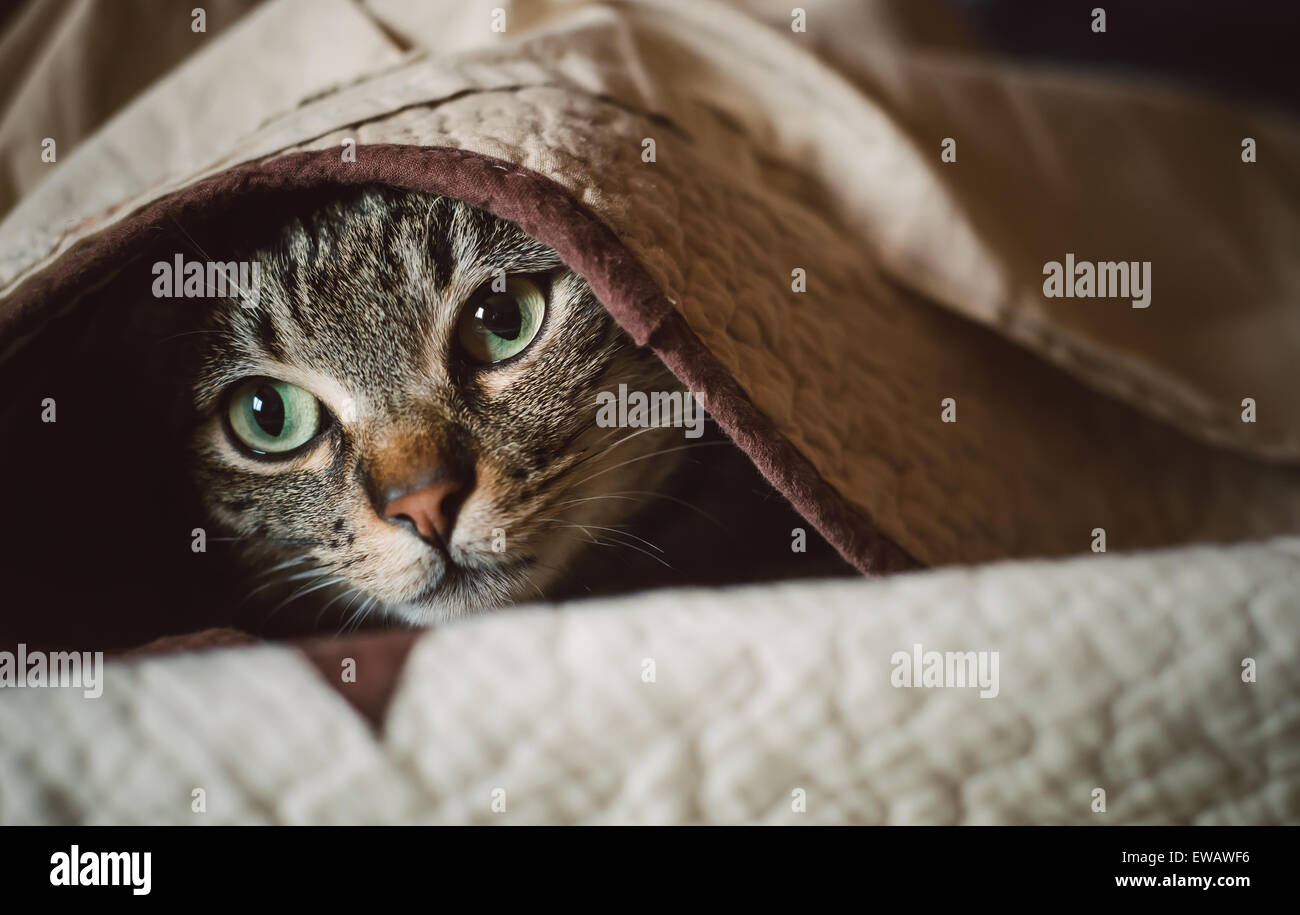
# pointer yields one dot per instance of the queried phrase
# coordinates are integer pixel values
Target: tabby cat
(403, 425)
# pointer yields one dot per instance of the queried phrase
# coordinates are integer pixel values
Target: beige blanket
(765, 705)
(771, 211)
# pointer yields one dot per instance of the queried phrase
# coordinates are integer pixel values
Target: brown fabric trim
(858, 540)
(547, 212)
(379, 661)
(203, 640)
(541, 207)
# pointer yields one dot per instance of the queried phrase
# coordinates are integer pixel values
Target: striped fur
(358, 304)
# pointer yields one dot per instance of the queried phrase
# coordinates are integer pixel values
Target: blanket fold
(783, 704)
(958, 312)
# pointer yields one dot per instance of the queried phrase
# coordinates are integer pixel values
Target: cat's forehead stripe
(369, 287)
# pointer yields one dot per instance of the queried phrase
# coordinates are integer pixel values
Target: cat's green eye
(273, 417)
(499, 325)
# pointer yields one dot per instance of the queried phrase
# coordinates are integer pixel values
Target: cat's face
(396, 431)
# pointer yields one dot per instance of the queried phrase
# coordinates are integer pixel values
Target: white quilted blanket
(765, 705)
(1153, 688)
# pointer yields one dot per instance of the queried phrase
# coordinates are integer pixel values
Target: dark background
(1248, 49)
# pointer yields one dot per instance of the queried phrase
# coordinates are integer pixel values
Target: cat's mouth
(462, 589)
(435, 591)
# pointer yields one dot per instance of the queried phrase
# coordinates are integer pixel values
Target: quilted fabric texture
(1120, 674)
(742, 192)
(772, 155)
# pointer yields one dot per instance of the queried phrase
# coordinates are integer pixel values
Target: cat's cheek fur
(397, 566)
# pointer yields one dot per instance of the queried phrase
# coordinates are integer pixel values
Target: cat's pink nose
(432, 509)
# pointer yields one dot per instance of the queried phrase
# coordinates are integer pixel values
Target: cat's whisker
(350, 593)
(611, 497)
(356, 619)
(632, 546)
(609, 448)
(303, 592)
(609, 433)
(550, 568)
(285, 565)
(514, 576)
(617, 555)
(275, 582)
(651, 495)
(229, 280)
(600, 542)
(188, 333)
(611, 530)
(533, 562)
(646, 457)
(310, 573)
(374, 602)
(528, 578)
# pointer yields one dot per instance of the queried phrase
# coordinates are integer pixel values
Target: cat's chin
(459, 593)
(441, 609)
(414, 614)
